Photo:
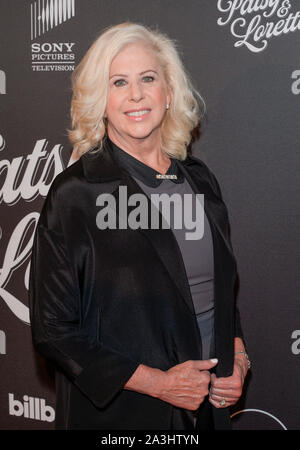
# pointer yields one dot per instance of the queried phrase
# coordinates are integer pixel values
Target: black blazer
(104, 301)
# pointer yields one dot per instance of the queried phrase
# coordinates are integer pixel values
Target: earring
(167, 106)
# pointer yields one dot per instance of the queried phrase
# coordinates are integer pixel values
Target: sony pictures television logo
(45, 15)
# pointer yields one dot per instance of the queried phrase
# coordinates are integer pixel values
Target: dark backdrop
(250, 140)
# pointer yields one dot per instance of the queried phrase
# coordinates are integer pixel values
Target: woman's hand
(228, 390)
(186, 385)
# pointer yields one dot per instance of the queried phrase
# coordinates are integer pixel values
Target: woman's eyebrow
(149, 70)
(125, 76)
(118, 75)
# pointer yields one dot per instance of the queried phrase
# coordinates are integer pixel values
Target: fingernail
(214, 360)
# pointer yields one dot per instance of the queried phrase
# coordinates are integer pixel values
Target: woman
(139, 321)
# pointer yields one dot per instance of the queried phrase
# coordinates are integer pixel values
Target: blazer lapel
(164, 243)
(213, 205)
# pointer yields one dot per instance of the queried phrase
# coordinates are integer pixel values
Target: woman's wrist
(146, 380)
(240, 355)
(245, 357)
(242, 361)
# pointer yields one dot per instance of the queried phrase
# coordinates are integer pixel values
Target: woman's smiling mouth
(138, 114)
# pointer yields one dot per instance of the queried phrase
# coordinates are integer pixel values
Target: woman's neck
(148, 151)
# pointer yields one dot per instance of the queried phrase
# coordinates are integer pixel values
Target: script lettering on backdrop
(27, 189)
(271, 18)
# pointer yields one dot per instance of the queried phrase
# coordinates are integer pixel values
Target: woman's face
(137, 95)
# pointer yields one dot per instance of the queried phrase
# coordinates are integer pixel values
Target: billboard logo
(2, 343)
(31, 408)
(48, 14)
(2, 82)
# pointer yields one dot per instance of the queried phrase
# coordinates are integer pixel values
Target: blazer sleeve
(59, 332)
(238, 332)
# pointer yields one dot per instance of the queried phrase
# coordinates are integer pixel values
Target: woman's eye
(148, 78)
(120, 82)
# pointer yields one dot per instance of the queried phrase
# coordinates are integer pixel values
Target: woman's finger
(225, 392)
(217, 404)
(229, 383)
(219, 398)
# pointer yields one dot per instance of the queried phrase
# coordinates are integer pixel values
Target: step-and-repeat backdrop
(243, 56)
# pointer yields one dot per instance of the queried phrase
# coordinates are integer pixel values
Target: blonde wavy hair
(90, 83)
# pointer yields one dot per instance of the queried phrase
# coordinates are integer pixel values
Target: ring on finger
(222, 402)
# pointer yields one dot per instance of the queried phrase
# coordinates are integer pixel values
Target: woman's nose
(136, 92)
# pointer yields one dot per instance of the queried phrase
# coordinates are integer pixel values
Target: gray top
(197, 254)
